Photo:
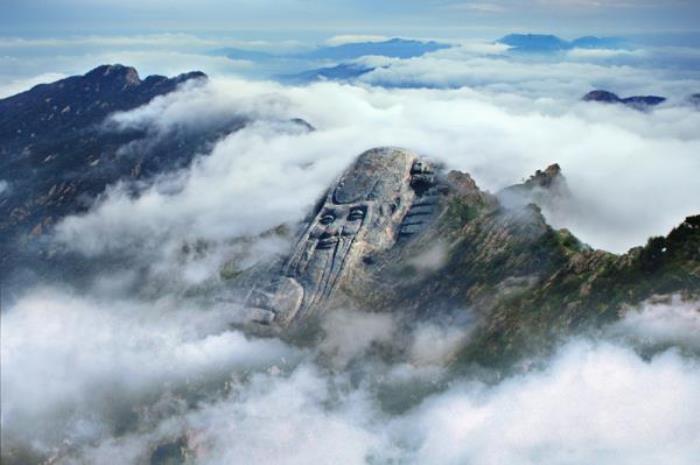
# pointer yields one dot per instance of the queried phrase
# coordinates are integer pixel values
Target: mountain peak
(118, 72)
(534, 42)
(544, 188)
(601, 96)
(551, 175)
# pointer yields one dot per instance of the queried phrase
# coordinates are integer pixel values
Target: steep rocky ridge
(56, 155)
(59, 151)
(524, 283)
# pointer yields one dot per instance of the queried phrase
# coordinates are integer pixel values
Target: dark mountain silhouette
(341, 72)
(637, 102)
(393, 48)
(56, 155)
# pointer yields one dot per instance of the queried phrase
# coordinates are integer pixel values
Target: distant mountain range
(546, 43)
(392, 48)
(408, 48)
(639, 102)
(341, 72)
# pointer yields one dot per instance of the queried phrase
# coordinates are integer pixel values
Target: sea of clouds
(90, 380)
(111, 371)
(632, 173)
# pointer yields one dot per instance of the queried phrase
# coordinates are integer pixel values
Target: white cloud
(664, 323)
(594, 403)
(16, 86)
(353, 38)
(532, 76)
(270, 173)
(634, 411)
(595, 53)
(117, 373)
(349, 334)
(70, 363)
(437, 344)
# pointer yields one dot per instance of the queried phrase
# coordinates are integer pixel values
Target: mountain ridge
(524, 283)
(392, 48)
(638, 102)
(57, 156)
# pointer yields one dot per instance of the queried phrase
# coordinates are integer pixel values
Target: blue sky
(308, 19)
(44, 40)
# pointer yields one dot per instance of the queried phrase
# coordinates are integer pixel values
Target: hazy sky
(315, 18)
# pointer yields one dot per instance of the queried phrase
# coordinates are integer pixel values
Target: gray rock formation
(397, 234)
(547, 189)
(387, 197)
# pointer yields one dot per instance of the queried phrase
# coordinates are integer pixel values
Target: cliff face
(429, 242)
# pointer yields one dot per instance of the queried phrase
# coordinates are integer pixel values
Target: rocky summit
(57, 154)
(396, 233)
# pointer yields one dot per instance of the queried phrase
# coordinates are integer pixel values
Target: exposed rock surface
(524, 282)
(547, 189)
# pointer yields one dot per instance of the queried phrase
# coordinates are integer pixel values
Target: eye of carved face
(356, 214)
(327, 218)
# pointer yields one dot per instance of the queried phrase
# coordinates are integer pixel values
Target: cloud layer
(632, 173)
(99, 381)
(136, 363)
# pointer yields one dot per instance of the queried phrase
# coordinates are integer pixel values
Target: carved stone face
(361, 214)
(338, 222)
(366, 211)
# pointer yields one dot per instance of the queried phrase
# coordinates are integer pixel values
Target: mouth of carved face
(327, 243)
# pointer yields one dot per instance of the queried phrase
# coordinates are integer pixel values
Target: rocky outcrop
(368, 245)
(387, 196)
(547, 189)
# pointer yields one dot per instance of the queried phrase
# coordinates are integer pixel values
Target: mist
(498, 139)
(147, 360)
(90, 380)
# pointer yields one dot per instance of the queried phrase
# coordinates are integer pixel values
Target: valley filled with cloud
(144, 360)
